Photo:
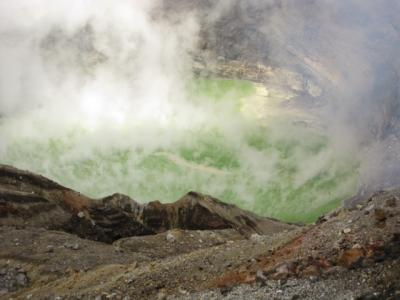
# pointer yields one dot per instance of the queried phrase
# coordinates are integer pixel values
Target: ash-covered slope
(192, 249)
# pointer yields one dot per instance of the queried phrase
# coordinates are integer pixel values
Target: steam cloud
(350, 50)
(112, 69)
(83, 59)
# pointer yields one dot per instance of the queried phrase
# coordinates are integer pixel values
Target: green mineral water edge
(272, 171)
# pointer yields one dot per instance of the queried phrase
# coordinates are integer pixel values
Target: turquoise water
(279, 170)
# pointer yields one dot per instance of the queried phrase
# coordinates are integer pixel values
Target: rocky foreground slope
(59, 244)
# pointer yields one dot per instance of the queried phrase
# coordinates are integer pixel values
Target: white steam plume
(349, 48)
(117, 70)
(91, 61)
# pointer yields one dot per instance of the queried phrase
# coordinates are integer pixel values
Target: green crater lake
(274, 168)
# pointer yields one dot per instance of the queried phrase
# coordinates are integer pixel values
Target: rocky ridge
(30, 200)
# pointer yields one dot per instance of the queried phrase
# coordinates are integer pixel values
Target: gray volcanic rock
(176, 242)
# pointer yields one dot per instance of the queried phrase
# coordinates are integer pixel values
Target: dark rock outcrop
(30, 200)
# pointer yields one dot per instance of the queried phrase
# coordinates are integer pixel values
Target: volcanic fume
(284, 108)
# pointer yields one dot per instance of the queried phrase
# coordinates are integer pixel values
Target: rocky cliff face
(337, 58)
(343, 50)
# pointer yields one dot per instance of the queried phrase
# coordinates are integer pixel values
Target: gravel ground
(351, 253)
(354, 284)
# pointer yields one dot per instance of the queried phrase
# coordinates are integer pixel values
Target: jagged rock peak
(31, 200)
